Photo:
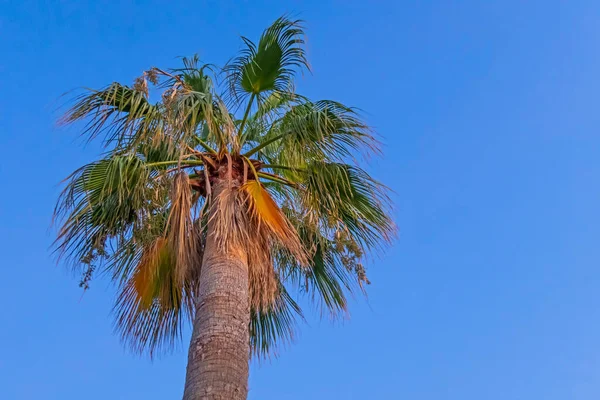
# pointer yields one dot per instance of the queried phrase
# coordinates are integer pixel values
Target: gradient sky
(490, 115)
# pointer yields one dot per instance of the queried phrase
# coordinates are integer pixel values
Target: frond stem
(205, 146)
(285, 167)
(243, 124)
(188, 163)
(251, 167)
(278, 179)
(263, 145)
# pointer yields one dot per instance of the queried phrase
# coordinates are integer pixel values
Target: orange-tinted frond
(147, 275)
(265, 211)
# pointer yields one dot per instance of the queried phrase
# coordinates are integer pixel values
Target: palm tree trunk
(220, 347)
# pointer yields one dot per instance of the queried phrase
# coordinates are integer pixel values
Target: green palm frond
(117, 112)
(333, 266)
(276, 104)
(195, 75)
(269, 110)
(350, 199)
(159, 148)
(323, 130)
(270, 65)
(275, 326)
(101, 201)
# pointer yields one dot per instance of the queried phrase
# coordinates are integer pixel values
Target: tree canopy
(300, 204)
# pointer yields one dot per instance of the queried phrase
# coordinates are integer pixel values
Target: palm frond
(266, 212)
(154, 303)
(117, 112)
(323, 131)
(330, 276)
(273, 327)
(195, 75)
(102, 200)
(271, 64)
(341, 214)
(350, 199)
(181, 231)
(269, 110)
(277, 104)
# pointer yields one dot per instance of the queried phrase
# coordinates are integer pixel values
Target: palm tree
(218, 206)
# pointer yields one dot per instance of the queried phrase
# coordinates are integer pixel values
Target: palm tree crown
(281, 175)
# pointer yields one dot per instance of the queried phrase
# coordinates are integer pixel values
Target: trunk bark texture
(220, 347)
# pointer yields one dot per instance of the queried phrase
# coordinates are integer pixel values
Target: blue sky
(489, 115)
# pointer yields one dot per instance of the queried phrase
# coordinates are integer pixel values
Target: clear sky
(490, 114)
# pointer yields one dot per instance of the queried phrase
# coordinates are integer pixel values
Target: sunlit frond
(266, 212)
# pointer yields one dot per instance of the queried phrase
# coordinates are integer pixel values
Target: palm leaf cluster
(282, 175)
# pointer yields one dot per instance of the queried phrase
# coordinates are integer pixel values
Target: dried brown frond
(231, 225)
(147, 271)
(153, 303)
(140, 84)
(264, 288)
(248, 220)
(229, 128)
(235, 229)
(181, 233)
